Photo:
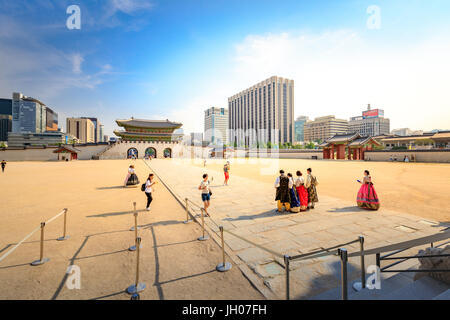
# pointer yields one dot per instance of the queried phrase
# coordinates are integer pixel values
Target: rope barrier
(30, 234)
(18, 244)
(256, 245)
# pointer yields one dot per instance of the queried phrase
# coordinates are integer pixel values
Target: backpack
(143, 187)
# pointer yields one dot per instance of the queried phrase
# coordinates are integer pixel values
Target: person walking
(310, 185)
(3, 165)
(206, 193)
(148, 190)
(226, 172)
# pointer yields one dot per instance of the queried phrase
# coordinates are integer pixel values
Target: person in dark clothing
(283, 197)
(3, 165)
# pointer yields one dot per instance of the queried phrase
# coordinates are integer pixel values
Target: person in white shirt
(206, 193)
(148, 190)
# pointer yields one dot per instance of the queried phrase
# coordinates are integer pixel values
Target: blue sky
(173, 59)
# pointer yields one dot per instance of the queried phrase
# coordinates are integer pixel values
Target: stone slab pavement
(247, 208)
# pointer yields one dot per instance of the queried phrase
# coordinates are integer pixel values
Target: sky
(170, 59)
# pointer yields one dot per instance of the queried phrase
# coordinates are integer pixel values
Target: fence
(42, 226)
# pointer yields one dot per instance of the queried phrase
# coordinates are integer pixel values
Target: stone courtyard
(247, 208)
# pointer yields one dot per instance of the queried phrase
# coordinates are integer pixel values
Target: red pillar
(341, 152)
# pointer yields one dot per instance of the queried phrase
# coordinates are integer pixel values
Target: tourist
(406, 159)
(367, 197)
(3, 165)
(204, 163)
(295, 203)
(206, 193)
(131, 179)
(148, 190)
(282, 196)
(226, 172)
(310, 185)
(301, 191)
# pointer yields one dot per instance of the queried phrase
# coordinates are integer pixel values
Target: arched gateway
(154, 138)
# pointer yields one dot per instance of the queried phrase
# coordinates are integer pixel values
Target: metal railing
(389, 256)
(337, 250)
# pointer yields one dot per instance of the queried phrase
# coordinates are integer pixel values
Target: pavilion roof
(344, 137)
(67, 148)
(362, 141)
(157, 124)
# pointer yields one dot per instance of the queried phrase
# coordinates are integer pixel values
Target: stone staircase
(395, 286)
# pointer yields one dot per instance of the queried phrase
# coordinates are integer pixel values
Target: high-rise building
(323, 128)
(196, 137)
(101, 135)
(81, 128)
(371, 123)
(5, 118)
(263, 113)
(30, 115)
(300, 128)
(216, 125)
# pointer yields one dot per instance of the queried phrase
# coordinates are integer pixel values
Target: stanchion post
(344, 259)
(137, 287)
(378, 260)
(64, 236)
(133, 248)
(224, 266)
(204, 236)
(358, 286)
(41, 260)
(286, 264)
(187, 210)
(135, 214)
(363, 264)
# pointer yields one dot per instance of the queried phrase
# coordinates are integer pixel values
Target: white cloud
(130, 6)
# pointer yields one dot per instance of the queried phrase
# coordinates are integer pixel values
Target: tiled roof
(139, 123)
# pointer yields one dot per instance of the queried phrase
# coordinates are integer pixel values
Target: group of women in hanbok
(296, 194)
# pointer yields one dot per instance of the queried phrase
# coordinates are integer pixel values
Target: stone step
(443, 296)
(425, 288)
(388, 284)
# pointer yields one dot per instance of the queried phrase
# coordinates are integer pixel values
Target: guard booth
(348, 146)
(67, 153)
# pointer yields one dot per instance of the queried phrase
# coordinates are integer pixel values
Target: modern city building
(36, 139)
(263, 113)
(323, 128)
(81, 128)
(148, 130)
(196, 138)
(406, 132)
(216, 125)
(300, 128)
(5, 119)
(30, 115)
(371, 123)
(101, 136)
